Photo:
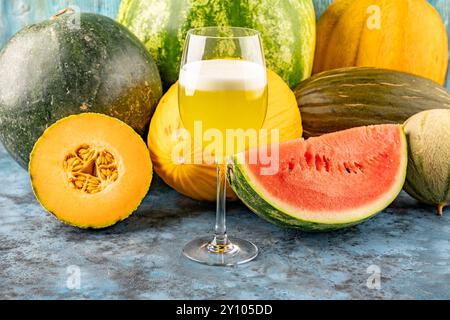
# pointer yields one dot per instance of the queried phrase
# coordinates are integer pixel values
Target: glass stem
(221, 238)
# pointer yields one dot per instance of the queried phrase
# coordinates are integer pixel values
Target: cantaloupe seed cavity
(90, 169)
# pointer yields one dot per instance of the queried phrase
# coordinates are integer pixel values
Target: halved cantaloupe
(90, 170)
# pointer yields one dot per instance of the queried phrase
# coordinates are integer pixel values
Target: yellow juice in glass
(223, 94)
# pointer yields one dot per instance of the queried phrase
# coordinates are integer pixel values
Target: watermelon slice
(325, 183)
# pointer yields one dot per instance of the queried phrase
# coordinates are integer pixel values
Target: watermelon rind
(288, 30)
(254, 197)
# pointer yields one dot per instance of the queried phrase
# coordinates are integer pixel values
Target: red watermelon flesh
(331, 181)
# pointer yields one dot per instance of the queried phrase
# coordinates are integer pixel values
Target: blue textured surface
(140, 258)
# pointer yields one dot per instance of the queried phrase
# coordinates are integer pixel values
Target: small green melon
(428, 176)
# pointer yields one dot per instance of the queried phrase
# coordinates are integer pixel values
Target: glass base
(235, 252)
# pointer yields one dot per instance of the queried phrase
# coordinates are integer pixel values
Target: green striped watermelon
(325, 183)
(287, 28)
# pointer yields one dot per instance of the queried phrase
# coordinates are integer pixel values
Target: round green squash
(71, 64)
(428, 176)
(353, 97)
(287, 28)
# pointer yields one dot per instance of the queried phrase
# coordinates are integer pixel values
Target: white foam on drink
(213, 75)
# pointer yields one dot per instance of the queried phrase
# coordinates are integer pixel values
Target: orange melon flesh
(116, 197)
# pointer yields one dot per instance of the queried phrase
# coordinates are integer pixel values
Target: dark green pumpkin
(352, 97)
(71, 64)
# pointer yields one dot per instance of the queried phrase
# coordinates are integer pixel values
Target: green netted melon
(428, 177)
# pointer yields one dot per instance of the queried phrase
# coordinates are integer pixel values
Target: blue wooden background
(15, 14)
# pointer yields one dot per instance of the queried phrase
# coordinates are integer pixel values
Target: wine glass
(222, 89)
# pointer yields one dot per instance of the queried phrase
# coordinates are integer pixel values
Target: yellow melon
(198, 181)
